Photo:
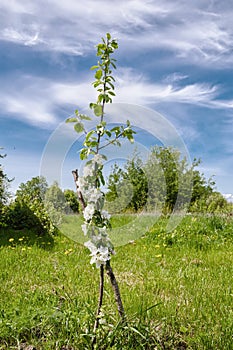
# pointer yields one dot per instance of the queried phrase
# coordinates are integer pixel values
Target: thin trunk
(116, 290)
(101, 292)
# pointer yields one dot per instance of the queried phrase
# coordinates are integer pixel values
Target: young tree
(96, 219)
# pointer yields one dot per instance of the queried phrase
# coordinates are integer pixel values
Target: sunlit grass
(176, 288)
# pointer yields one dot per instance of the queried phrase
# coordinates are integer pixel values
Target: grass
(176, 288)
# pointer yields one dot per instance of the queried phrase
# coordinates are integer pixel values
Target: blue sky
(174, 57)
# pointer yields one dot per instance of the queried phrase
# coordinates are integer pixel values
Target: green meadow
(177, 286)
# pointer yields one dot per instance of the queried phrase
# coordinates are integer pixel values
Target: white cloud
(228, 196)
(137, 89)
(174, 77)
(198, 32)
(21, 37)
(28, 99)
(37, 100)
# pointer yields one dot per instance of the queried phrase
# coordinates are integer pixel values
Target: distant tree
(216, 203)
(202, 188)
(127, 188)
(33, 189)
(72, 200)
(4, 184)
(55, 203)
(29, 204)
(157, 182)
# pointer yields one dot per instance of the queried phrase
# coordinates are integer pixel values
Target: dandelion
(158, 255)
(21, 239)
(11, 239)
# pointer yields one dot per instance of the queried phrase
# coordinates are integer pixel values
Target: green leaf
(84, 117)
(114, 44)
(108, 133)
(101, 46)
(78, 127)
(98, 74)
(98, 110)
(97, 83)
(130, 138)
(84, 153)
(71, 120)
(108, 35)
(116, 129)
(101, 178)
(89, 134)
(113, 64)
(112, 86)
(94, 67)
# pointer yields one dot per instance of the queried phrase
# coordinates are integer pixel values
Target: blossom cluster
(96, 220)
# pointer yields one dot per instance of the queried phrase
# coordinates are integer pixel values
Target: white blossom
(89, 211)
(88, 170)
(95, 195)
(105, 214)
(100, 256)
(98, 158)
(99, 244)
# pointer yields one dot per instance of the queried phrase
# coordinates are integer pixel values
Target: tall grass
(176, 288)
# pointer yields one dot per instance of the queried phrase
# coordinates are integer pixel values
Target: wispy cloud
(37, 100)
(198, 32)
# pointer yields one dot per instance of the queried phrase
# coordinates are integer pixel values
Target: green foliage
(72, 200)
(19, 215)
(33, 189)
(155, 184)
(127, 188)
(28, 209)
(55, 204)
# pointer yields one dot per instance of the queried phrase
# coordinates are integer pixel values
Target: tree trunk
(116, 289)
(101, 292)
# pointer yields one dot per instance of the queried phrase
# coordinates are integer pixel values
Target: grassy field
(177, 287)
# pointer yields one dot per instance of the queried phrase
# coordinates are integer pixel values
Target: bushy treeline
(163, 182)
(36, 205)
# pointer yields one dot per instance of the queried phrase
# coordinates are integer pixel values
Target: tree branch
(79, 193)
